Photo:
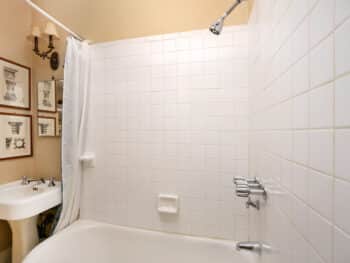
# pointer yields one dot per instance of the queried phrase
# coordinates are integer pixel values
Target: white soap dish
(88, 160)
(168, 204)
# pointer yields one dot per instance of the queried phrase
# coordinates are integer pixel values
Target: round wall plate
(54, 61)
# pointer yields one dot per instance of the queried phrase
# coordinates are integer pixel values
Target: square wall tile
(320, 235)
(321, 63)
(321, 193)
(342, 10)
(300, 182)
(341, 246)
(300, 40)
(342, 99)
(301, 76)
(341, 205)
(342, 153)
(301, 147)
(321, 21)
(342, 43)
(321, 107)
(301, 112)
(321, 150)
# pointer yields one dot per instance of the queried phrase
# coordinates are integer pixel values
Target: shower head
(217, 26)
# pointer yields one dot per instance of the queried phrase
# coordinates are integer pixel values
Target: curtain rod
(54, 20)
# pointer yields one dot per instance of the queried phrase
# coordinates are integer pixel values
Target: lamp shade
(51, 30)
(35, 33)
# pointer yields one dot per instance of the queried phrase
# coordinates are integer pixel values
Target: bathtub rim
(80, 224)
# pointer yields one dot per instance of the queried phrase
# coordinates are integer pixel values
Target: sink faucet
(26, 180)
(249, 246)
(52, 182)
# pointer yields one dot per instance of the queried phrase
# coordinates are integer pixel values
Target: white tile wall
(306, 218)
(170, 115)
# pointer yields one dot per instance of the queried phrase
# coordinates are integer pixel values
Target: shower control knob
(242, 192)
(239, 179)
(242, 180)
(249, 185)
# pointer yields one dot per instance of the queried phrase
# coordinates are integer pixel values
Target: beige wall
(107, 20)
(16, 20)
(15, 23)
(48, 149)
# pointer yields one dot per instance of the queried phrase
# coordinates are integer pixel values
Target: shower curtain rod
(54, 20)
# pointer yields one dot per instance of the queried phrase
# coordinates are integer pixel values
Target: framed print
(15, 85)
(59, 123)
(47, 96)
(46, 126)
(59, 94)
(15, 136)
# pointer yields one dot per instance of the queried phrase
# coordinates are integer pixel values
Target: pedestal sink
(20, 205)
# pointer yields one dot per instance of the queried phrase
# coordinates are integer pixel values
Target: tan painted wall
(16, 20)
(48, 149)
(107, 20)
(15, 23)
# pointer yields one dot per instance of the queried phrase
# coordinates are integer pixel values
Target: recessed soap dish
(168, 204)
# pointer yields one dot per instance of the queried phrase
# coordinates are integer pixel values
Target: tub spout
(250, 246)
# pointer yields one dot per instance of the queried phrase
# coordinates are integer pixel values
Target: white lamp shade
(35, 33)
(51, 30)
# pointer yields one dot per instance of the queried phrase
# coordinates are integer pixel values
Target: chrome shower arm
(233, 7)
(217, 26)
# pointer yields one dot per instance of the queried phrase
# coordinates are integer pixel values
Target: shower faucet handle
(242, 192)
(239, 178)
(245, 191)
(249, 185)
(243, 180)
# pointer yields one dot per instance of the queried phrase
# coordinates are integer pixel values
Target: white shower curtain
(75, 105)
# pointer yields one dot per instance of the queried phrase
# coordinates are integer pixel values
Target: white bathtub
(91, 242)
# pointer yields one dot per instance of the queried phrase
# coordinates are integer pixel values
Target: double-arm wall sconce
(50, 32)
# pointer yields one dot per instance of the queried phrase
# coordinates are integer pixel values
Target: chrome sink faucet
(52, 182)
(26, 180)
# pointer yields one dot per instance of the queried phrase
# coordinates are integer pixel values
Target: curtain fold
(74, 122)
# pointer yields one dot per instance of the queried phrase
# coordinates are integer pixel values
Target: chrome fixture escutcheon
(246, 188)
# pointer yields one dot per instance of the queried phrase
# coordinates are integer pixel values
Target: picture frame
(15, 85)
(59, 97)
(46, 96)
(46, 126)
(15, 136)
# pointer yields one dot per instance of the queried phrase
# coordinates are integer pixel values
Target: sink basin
(20, 205)
(19, 201)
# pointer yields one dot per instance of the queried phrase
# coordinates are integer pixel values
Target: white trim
(54, 20)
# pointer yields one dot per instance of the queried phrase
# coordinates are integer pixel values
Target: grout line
(333, 131)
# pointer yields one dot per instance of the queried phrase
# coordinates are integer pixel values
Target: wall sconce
(51, 32)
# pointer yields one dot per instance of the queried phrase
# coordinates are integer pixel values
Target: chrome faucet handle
(245, 191)
(239, 178)
(52, 182)
(249, 185)
(242, 180)
(242, 192)
(25, 180)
